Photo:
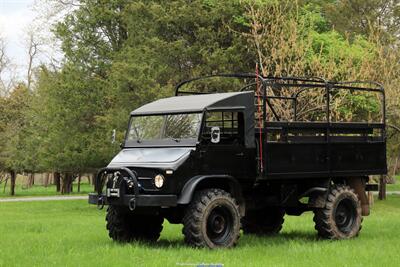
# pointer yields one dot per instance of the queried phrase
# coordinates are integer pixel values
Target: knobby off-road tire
(341, 217)
(212, 220)
(267, 221)
(124, 226)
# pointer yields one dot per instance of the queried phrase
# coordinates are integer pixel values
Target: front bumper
(130, 200)
(135, 201)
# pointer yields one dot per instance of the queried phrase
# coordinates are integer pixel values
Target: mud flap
(358, 184)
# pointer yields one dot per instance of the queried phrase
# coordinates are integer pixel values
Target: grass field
(396, 186)
(39, 190)
(72, 233)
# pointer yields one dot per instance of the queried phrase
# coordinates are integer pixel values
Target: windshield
(158, 127)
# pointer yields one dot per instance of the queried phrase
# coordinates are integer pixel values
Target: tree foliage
(13, 129)
(296, 40)
(364, 16)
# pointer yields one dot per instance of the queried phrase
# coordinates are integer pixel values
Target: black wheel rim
(219, 225)
(345, 215)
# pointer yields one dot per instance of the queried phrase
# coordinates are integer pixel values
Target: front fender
(190, 187)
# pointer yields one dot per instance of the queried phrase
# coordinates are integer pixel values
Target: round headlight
(159, 181)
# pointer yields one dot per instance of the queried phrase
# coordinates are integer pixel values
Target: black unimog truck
(221, 162)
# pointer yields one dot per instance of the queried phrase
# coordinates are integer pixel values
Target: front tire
(212, 220)
(341, 217)
(125, 226)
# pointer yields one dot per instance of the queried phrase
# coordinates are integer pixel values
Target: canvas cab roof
(196, 103)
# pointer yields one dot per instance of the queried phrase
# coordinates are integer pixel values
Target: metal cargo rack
(293, 148)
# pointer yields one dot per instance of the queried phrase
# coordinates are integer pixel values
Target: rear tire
(267, 221)
(341, 217)
(125, 226)
(212, 220)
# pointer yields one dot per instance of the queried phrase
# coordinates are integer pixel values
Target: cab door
(222, 149)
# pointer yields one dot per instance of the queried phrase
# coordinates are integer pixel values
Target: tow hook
(132, 204)
(100, 203)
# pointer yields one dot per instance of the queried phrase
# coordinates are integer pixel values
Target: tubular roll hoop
(304, 83)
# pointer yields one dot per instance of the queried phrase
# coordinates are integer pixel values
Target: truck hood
(164, 158)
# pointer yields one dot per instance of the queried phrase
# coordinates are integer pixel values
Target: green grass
(394, 187)
(72, 233)
(39, 190)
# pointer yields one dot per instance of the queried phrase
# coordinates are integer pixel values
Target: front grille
(145, 178)
(145, 173)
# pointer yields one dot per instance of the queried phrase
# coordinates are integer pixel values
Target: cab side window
(231, 125)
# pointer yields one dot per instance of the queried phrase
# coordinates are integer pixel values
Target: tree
(7, 75)
(296, 40)
(169, 41)
(117, 57)
(364, 16)
(34, 44)
(4, 61)
(13, 132)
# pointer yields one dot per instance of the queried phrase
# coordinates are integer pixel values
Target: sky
(15, 16)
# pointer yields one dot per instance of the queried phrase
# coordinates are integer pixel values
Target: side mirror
(113, 136)
(215, 135)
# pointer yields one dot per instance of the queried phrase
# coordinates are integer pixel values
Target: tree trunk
(93, 177)
(382, 188)
(79, 183)
(57, 181)
(395, 167)
(46, 179)
(13, 178)
(31, 180)
(370, 198)
(5, 185)
(66, 183)
(88, 178)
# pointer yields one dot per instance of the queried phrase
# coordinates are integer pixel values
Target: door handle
(241, 154)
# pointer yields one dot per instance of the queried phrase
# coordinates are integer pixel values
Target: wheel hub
(345, 216)
(219, 224)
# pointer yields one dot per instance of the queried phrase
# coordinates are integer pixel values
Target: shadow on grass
(245, 240)
(279, 239)
(297, 235)
(166, 243)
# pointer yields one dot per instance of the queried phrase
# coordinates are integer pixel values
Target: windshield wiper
(176, 139)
